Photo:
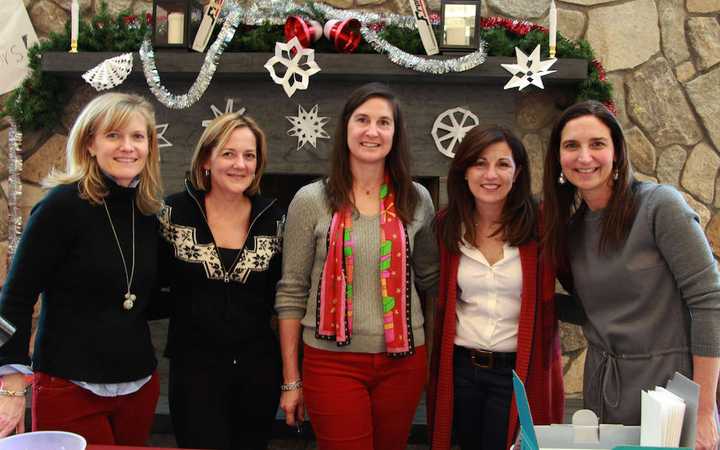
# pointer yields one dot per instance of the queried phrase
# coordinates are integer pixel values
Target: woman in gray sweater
(358, 246)
(640, 266)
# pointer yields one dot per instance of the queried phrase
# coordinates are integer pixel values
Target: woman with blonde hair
(89, 247)
(223, 260)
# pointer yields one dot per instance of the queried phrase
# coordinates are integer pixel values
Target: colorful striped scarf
(335, 295)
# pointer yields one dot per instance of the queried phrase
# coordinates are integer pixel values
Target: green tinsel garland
(39, 101)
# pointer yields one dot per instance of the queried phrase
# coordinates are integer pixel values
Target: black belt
(487, 360)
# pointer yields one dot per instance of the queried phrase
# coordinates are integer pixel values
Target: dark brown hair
(397, 162)
(518, 219)
(561, 202)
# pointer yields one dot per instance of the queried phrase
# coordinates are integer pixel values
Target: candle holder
(74, 25)
(552, 31)
(460, 25)
(174, 22)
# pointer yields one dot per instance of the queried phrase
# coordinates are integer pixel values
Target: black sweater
(69, 254)
(213, 317)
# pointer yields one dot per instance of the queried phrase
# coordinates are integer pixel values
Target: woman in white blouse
(495, 310)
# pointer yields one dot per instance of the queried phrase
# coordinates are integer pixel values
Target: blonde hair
(107, 112)
(215, 136)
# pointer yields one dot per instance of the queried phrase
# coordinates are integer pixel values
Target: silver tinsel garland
(366, 17)
(421, 64)
(207, 71)
(14, 193)
(275, 12)
(417, 63)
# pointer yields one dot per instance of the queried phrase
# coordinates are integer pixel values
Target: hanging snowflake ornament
(110, 73)
(229, 105)
(299, 65)
(450, 128)
(307, 127)
(528, 70)
(162, 140)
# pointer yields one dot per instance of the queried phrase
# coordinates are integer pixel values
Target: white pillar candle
(74, 24)
(176, 28)
(553, 28)
(455, 36)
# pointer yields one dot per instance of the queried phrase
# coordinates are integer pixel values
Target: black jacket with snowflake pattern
(218, 313)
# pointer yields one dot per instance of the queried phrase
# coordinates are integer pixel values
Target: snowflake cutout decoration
(450, 128)
(162, 140)
(299, 65)
(229, 106)
(110, 73)
(528, 70)
(308, 127)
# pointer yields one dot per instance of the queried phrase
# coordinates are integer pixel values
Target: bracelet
(11, 393)
(294, 386)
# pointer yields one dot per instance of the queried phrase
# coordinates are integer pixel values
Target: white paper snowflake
(528, 70)
(308, 127)
(299, 65)
(162, 140)
(450, 128)
(229, 105)
(110, 73)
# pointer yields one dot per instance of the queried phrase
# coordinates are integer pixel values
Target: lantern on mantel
(460, 25)
(175, 22)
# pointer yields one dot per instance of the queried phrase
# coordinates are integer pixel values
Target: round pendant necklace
(129, 301)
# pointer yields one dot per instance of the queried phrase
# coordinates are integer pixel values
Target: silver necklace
(129, 301)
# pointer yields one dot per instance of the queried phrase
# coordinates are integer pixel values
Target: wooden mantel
(334, 66)
(242, 78)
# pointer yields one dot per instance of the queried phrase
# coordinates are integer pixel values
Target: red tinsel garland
(519, 27)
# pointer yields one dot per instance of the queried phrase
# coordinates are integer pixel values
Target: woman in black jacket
(222, 262)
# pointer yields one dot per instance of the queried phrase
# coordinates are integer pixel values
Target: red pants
(58, 404)
(362, 401)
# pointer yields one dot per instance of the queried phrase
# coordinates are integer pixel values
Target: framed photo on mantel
(460, 25)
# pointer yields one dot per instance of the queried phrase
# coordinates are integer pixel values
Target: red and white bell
(307, 31)
(344, 35)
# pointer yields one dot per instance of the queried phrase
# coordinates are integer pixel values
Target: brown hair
(215, 136)
(561, 202)
(397, 162)
(518, 219)
(103, 113)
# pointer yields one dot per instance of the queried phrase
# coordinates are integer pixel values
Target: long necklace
(129, 301)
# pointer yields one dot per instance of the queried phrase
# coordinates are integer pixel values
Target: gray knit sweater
(304, 253)
(651, 304)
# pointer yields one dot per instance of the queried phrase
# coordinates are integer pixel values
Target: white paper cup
(44, 440)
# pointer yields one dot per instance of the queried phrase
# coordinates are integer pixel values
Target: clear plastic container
(44, 440)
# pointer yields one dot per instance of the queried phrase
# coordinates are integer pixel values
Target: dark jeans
(228, 404)
(481, 405)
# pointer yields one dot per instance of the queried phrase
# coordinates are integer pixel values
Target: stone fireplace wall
(661, 55)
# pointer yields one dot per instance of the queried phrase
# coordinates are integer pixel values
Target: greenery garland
(39, 101)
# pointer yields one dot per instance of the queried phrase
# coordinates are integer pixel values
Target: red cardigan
(538, 362)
